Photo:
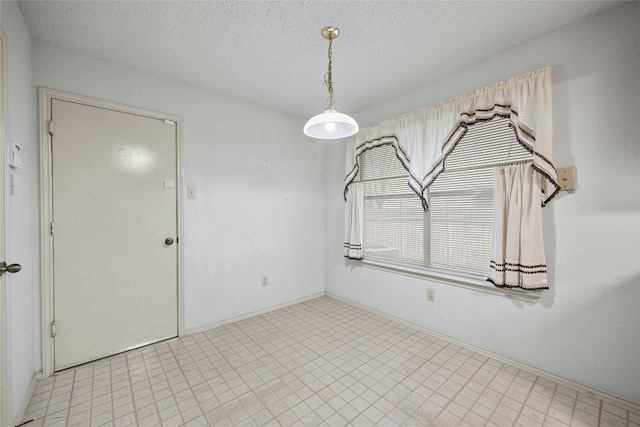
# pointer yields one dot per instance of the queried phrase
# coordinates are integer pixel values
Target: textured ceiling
(272, 53)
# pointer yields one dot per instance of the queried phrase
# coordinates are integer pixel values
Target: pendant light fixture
(331, 124)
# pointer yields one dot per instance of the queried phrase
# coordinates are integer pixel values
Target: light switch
(567, 178)
(191, 192)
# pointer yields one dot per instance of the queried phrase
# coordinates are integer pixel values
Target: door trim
(46, 208)
(6, 388)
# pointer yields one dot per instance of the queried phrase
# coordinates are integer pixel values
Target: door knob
(168, 241)
(12, 268)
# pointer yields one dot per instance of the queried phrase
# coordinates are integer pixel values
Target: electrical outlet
(431, 295)
(265, 281)
(567, 178)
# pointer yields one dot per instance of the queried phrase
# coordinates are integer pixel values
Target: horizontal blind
(393, 215)
(393, 223)
(485, 144)
(379, 163)
(461, 198)
(461, 219)
(455, 235)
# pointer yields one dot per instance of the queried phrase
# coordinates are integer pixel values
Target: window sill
(463, 282)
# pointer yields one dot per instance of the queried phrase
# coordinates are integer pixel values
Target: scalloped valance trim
(423, 139)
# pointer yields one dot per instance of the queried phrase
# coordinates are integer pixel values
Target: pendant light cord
(328, 78)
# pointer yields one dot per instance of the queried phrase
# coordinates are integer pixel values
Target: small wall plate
(567, 178)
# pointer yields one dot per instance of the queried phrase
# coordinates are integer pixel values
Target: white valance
(423, 139)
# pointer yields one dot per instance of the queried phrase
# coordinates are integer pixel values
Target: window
(455, 235)
(481, 163)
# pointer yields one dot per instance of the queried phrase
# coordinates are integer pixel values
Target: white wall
(23, 219)
(586, 327)
(259, 182)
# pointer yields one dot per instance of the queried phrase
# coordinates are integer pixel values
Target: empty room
(279, 213)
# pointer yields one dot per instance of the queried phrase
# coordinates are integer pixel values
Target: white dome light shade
(330, 125)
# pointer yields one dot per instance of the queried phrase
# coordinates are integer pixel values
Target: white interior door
(5, 381)
(114, 207)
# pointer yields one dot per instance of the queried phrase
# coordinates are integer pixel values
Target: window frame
(448, 279)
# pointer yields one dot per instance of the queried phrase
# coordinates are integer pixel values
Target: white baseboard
(22, 410)
(635, 407)
(250, 315)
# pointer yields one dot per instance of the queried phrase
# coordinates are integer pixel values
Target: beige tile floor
(321, 362)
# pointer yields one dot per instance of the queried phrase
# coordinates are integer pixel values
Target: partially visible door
(5, 380)
(114, 231)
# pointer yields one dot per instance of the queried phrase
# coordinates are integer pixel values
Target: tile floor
(321, 362)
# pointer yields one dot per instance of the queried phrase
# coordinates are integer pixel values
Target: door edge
(6, 387)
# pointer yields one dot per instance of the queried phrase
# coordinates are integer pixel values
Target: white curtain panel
(517, 257)
(424, 138)
(354, 222)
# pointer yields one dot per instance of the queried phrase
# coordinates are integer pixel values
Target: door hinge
(51, 127)
(52, 227)
(53, 329)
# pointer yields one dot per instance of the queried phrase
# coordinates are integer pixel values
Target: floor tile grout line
(279, 329)
(600, 411)
(434, 355)
(524, 404)
(180, 366)
(575, 408)
(203, 412)
(467, 382)
(69, 401)
(133, 396)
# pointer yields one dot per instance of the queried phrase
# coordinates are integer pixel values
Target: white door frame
(6, 407)
(46, 208)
